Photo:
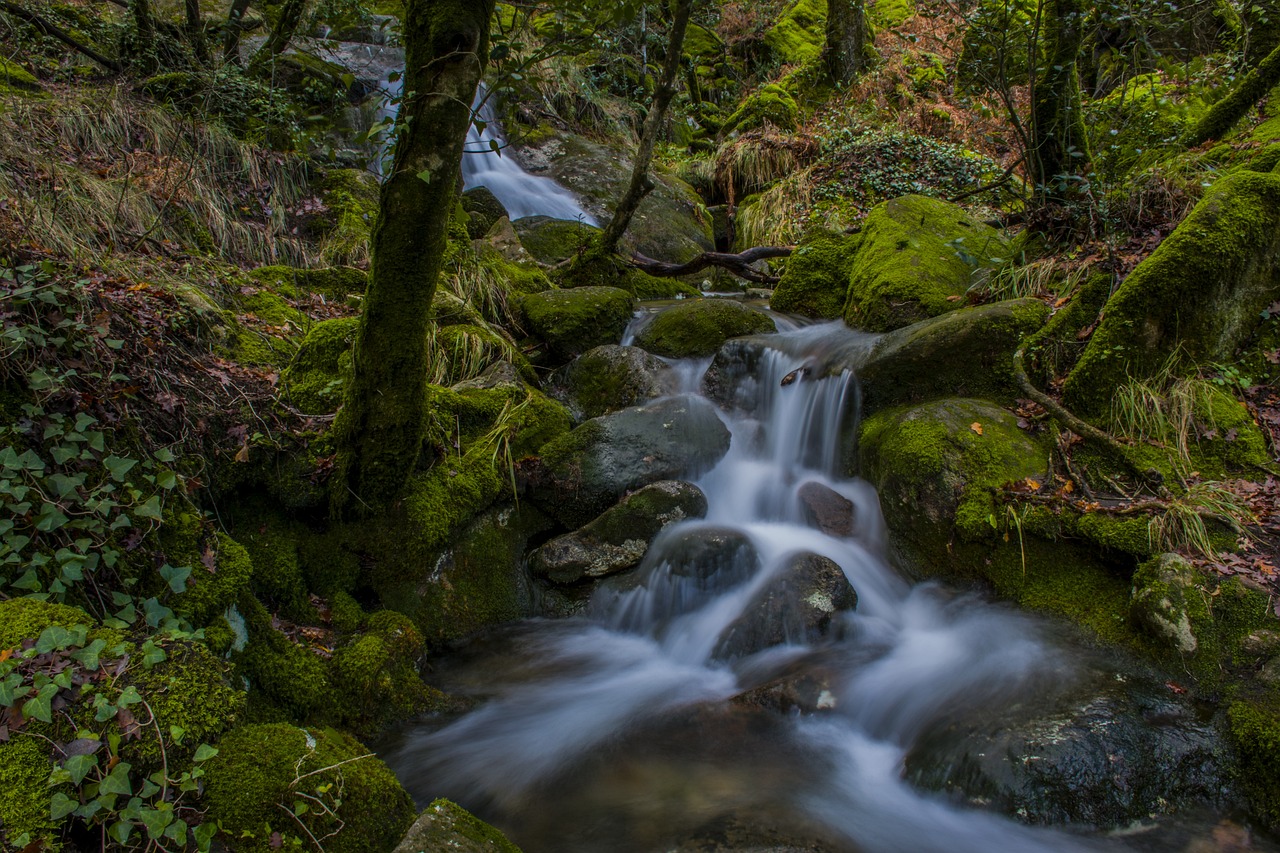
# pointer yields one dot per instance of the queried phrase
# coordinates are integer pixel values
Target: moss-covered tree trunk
(641, 184)
(1223, 115)
(281, 34)
(383, 421)
(143, 49)
(1059, 143)
(195, 31)
(846, 40)
(235, 28)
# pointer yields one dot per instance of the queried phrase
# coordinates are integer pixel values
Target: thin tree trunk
(1223, 115)
(235, 28)
(381, 427)
(144, 27)
(1059, 142)
(195, 32)
(283, 32)
(846, 40)
(641, 184)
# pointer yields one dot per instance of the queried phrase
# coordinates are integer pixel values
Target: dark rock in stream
(826, 509)
(583, 473)
(619, 538)
(609, 378)
(1119, 748)
(797, 606)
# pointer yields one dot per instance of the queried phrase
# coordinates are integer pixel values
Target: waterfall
(486, 163)
(613, 731)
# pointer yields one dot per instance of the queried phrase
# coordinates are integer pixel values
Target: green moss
(1127, 535)
(520, 278)
(25, 764)
(15, 76)
(272, 545)
(346, 613)
(816, 280)
(326, 564)
(350, 197)
(313, 381)
(258, 771)
(698, 328)
(208, 593)
(552, 241)
(769, 105)
(335, 284)
(574, 321)
(916, 252)
(1056, 347)
(264, 329)
(800, 34)
(1253, 724)
(1200, 293)
(595, 269)
(26, 618)
(376, 675)
(284, 678)
(1236, 445)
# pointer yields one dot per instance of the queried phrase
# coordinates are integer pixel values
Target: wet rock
(575, 321)
(619, 538)
(700, 327)
(1166, 600)
(483, 209)
(552, 241)
(805, 683)
(585, 472)
(1261, 643)
(503, 239)
(797, 606)
(1124, 748)
(732, 380)
(826, 509)
(966, 353)
(446, 826)
(609, 378)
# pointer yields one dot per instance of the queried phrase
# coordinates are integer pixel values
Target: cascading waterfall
(614, 731)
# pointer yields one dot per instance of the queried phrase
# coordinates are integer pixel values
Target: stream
(628, 728)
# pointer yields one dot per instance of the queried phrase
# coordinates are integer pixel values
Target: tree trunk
(846, 40)
(144, 30)
(641, 184)
(281, 34)
(1059, 143)
(382, 424)
(235, 27)
(1223, 115)
(195, 32)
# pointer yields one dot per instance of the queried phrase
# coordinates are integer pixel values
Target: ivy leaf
(79, 766)
(204, 752)
(425, 176)
(117, 782)
(118, 467)
(150, 509)
(53, 637)
(90, 656)
(129, 696)
(61, 805)
(156, 820)
(176, 577)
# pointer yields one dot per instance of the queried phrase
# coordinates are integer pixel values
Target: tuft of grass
(1037, 279)
(1162, 409)
(758, 159)
(1181, 526)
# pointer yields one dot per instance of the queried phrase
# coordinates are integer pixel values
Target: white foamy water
(612, 731)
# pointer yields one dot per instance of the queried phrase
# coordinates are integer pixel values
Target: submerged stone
(826, 509)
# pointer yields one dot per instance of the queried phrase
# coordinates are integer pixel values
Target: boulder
(14, 76)
(1200, 293)
(916, 261)
(1166, 599)
(826, 509)
(574, 321)
(670, 224)
(483, 210)
(796, 606)
(447, 826)
(585, 472)
(619, 538)
(967, 353)
(699, 328)
(552, 241)
(609, 378)
(816, 280)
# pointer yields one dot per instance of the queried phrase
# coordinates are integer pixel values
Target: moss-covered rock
(25, 618)
(618, 539)
(552, 241)
(519, 275)
(700, 327)
(285, 680)
(967, 352)
(574, 321)
(483, 211)
(1166, 602)
(350, 198)
(609, 378)
(375, 673)
(271, 542)
(335, 284)
(916, 261)
(800, 33)
(208, 593)
(446, 826)
(586, 471)
(257, 778)
(1253, 724)
(14, 76)
(816, 280)
(313, 381)
(25, 795)
(1199, 294)
(771, 105)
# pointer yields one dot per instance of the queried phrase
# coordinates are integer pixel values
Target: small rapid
(629, 729)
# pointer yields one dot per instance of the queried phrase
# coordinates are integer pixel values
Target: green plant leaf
(176, 577)
(204, 752)
(60, 805)
(117, 781)
(79, 766)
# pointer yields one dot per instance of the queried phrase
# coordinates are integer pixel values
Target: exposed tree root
(739, 264)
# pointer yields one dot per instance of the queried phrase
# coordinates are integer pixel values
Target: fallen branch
(739, 264)
(61, 35)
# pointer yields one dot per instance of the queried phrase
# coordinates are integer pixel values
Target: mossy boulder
(208, 594)
(698, 328)
(25, 618)
(800, 33)
(670, 224)
(609, 378)
(967, 352)
(518, 274)
(1253, 725)
(586, 471)
(1166, 602)
(483, 211)
(816, 281)
(916, 261)
(259, 775)
(313, 381)
(271, 541)
(771, 105)
(263, 328)
(551, 241)
(596, 269)
(335, 284)
(574, 321)
(285, 680)
(1200, 293)
(350, 199)
(14, 76)
(798, 605)
(375, 673)
(618, 539)
(447, 826)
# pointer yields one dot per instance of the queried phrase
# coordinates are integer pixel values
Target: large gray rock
(797, 606)
(609, 378)
(619, 538)
(583, 473)
(552, 241)
(698, 328)
(670, 224)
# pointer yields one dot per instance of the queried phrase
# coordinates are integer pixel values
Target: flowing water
(618, 730)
